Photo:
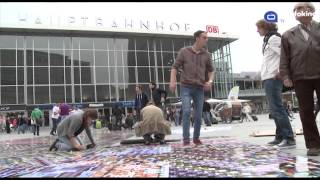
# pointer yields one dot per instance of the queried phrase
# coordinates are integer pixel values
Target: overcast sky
(234, 18)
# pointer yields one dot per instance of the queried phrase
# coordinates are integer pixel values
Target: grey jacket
(71, 124)
(300, 59)
(194, 66)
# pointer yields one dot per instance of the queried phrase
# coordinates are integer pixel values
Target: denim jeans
(273, 90)
(207, 118)
(64, 143)
(196, 94)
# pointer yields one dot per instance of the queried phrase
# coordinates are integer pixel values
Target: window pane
(8, 95)
(21, 95)
(75, 57)
(142, 59)
(86, 43)
(57, 94)
(30, 95)
(56, 42)
(40, 42)
(151, 57)
(160, 75)
(103, 93)
(7, 41)
(131, 92)
(68, 94)
(20, 75)
(102, 75)
(77, 93)
(132, 74)
(101, 58)
(112, 60)
(29, 58)
(88, 94)
(67, 60)
(100, 43)
(86, 75)
(8, 76)
(30, 75)
(86, 57)
(178, 44)
(153, 74)
(119, 61)
(76, 71)
(167, 72)
(121, 44)
(42, 94)
(8, 57)
(129, 58)
(141, 43)
(56, 57)
(166, 44)
(167, 59)
(143, 75)
(67, 42)
(56, 75)
(40, 58)
(41, 75)
(68, 75)
(113, 96)
(159, 59)
(20, 57)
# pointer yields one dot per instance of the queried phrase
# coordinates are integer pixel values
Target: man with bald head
(300, 67)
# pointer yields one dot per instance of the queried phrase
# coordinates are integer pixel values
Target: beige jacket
(152, 122)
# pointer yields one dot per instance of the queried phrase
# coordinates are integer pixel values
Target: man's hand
(288, 82)
(207, 86)
(172, 86)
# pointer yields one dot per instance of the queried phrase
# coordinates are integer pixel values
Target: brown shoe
(313, 152)
(197, 141)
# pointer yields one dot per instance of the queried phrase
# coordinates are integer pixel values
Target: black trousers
(304, 90)
(36, 129)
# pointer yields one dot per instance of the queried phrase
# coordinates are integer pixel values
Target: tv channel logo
(271, 16)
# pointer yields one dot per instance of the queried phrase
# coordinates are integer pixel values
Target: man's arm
(88, 131)
(173, 80)
(208, 84)
(173, 75)
(284, 67)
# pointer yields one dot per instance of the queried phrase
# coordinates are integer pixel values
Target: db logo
(212, 29)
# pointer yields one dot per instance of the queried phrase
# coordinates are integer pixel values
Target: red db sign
(212, 29)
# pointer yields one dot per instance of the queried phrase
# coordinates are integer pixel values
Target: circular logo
(271, 16)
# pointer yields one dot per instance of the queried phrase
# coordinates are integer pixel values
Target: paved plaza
(228, 150)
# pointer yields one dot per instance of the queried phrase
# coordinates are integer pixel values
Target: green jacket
(36, 114)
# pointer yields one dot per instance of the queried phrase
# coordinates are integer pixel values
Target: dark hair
(197, 34)
(153, 83)
(91, 113)
(269, 26)
(139, 86)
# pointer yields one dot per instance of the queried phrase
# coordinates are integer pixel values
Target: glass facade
(38, 69)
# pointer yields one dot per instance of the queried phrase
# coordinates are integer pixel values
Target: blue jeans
(273, 90)
(64, 143)
(196, 94)
(207, 118)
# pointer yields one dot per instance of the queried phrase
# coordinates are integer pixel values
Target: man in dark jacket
(140, 101)
(300, 67)
(156, 94)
